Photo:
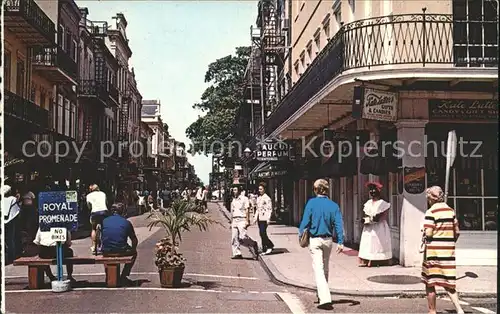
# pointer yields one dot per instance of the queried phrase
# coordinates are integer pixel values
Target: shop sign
(58, 210)
(271, 174)
(414, 180)
(374, 104)
(272, 151)
(463, 109)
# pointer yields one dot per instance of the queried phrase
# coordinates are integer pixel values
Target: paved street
(213, 283)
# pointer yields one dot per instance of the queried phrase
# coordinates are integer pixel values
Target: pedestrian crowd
(322, 222)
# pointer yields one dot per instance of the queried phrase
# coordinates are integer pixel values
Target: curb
(278, 278)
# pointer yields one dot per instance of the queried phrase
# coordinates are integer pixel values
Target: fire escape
(267, 61)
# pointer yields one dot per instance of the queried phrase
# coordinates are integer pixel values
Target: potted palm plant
(181, 216)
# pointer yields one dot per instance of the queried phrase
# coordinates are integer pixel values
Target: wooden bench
(36, 264)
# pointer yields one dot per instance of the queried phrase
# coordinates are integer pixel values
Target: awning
(262, 166)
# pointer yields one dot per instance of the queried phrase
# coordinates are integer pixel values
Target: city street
(213, 283)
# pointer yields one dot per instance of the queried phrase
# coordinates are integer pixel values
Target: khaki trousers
(239, 236)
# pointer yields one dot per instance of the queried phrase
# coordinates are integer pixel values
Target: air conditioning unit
(286, 24)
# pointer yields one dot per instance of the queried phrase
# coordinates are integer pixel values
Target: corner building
(387, 71)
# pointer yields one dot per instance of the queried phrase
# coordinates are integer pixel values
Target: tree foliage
(220, 102)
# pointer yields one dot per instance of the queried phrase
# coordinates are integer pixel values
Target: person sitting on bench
(48, 250)
(116, 230)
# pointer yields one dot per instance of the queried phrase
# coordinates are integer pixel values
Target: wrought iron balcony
(28, 22)
(25, 110)
(93, 88)
(415, 40)
(56, 65)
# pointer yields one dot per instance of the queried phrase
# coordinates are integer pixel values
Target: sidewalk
(291, 265)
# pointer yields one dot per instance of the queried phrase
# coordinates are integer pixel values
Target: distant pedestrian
(262, 216)
(204, 199)
(321, 215)
(441, 233)
(240, 207)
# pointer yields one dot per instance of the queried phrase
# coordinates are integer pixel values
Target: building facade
(365, 73)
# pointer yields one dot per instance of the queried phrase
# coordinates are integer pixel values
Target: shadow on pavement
(468, 274)
(346, 301)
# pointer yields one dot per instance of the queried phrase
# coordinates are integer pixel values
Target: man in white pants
(240, 214)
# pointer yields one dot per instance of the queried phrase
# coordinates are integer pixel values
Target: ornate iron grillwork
(92, 88)
(56, 57)
(418, 39)
(26, 110)
(31, 12)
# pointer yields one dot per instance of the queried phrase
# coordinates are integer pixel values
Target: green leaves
(220, 102)
(181, 216)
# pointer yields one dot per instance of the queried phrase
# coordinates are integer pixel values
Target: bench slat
(37, 261)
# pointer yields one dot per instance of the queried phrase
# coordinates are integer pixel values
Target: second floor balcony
(421, 42)
(28, 22)
(56, 65)
(93, 89)
(25, 110)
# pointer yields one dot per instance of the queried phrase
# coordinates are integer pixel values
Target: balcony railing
(92, 88)
(56, 57)
(25, 110)
(418, 40)
(32, 14)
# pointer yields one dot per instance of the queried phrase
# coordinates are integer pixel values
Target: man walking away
(262, 217)
(199, 196)
(320, 216)
(240, 207)
(96, 201)
(116, 230)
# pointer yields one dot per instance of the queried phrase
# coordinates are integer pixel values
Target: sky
(172, 43)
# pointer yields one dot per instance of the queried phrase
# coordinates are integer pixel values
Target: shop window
(491, 182)
(468, 182)
(395, 211)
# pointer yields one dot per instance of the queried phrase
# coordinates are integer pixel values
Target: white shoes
(268, 251)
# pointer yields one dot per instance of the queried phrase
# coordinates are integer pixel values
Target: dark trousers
(51, 252)
(127, 269)
(266, 242)
(10, 240)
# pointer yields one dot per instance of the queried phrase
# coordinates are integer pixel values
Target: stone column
(411, 135)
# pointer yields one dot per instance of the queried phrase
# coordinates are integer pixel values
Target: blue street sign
(58, 210)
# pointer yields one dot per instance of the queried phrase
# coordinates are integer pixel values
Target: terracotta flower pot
(171, 277)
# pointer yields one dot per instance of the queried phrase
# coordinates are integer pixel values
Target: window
(352, 4)
(20, 78)
(75, 51)
(338, 17)
(326, 27)
(309, 52)
(296, 67)
(62, 37)
(302, 60)
(73, 121)
(60, 114)
(475, 33)
(7, 69)
(43, 95)
(69, 43)
(317, 40)
(33, 92)
(67, 120)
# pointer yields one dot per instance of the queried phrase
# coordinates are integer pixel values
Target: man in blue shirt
(116, 230)
(321, 216)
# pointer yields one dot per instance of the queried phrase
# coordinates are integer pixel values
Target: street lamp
(247, 151)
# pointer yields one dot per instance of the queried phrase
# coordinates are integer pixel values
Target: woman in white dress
(376, 237)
